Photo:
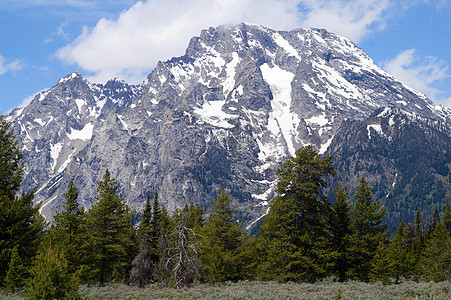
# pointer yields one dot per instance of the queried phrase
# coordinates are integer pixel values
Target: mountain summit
(225, 114)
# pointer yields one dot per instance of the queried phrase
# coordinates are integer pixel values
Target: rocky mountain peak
(226, 114)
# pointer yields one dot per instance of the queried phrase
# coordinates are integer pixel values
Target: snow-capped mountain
(226, 114)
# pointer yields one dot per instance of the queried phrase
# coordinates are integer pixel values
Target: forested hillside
(304, 237)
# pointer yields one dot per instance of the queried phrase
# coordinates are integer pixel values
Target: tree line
(304, 237)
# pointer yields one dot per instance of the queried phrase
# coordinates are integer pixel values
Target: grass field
(271, 290)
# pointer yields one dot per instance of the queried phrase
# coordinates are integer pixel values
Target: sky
(44, 40)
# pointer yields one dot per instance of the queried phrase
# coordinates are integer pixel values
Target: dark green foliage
(340, 229)
(21, 225)
(447, 216)
(110, 233)
(400, 257)
(50, 277)
(367, 231)
(435, 263)
(379, 265)
(14, 279)
(294, 230)
(146, 218)
(69, 229)
(223, 240)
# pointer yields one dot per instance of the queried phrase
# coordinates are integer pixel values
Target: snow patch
(376, 127)
(80, 103)
(85, 134)
(283, 43)
(281, 119)
(55, 151)
(320, 120)
(212, 113)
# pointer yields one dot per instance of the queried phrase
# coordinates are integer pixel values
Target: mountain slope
(227, 113)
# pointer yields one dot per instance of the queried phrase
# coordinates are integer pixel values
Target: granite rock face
(225, 114)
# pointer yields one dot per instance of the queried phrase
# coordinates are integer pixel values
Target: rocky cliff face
(226, 114)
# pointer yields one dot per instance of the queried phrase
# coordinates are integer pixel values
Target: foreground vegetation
(305, 237)
(326, 289)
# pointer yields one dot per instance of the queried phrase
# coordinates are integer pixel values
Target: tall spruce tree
(146, 218)
(294, 229)
(21, 225)
(110, 229)
(400, 260)
(435, 263)
(340, 227)
(50, 277)
(223, 239)
(367, 231)
(69, 229)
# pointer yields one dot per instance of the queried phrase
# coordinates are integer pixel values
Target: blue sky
(43, 40)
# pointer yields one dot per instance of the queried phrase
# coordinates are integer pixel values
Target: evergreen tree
(399, 255)
(110, 229)
(14, 279)
(417, 247)
(163, 272)
(379, 265)
(146, 218)
(435, 221)
(69, 228)
(155, 223)
(447, 216)
(51, 278)
(294, 229)
(367, 231)
(21, 225)
(221, 257)
(340, 227)
(435, 263)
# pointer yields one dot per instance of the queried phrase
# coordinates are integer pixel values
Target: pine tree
(51, 278)
(417, 247)
(340, 227)
(110, 229)
(400, 258)
(163, 272)
(379, 265)
(14, 279)
(146, 218)
(223, 238)
(367, 231)
(69, 228)
(21, 225)
(447, 216)
(294, 229)
(435, 262)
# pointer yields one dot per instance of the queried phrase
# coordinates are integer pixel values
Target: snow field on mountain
(281, 119)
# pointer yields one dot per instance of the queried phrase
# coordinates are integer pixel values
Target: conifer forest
(305, 237)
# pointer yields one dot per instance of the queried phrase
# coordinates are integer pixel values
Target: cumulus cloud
(420, 73)
(131, 45)
(352, 19)
(7, 65)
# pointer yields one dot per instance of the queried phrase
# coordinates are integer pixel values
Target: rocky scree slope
(225, 114)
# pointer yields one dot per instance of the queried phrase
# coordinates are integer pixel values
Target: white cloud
(7, 65)
(131, 45)
(420, 73)
(352, 19)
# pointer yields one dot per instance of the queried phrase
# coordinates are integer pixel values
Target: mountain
(225, 114)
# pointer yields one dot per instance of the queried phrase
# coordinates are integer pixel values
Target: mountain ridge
(227, 113)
